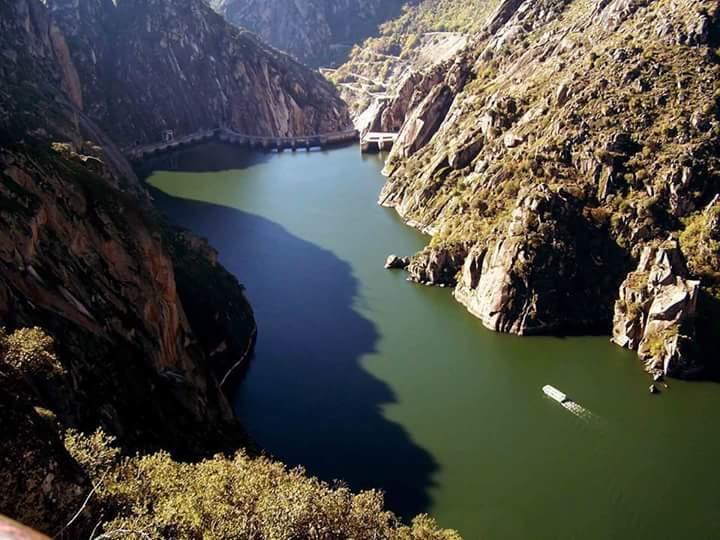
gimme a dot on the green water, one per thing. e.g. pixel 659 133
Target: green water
pixel 362 376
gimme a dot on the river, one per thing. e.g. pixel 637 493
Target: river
pixel 362 376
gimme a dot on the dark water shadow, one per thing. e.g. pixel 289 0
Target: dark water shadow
pixel 205 157
pixel 306 398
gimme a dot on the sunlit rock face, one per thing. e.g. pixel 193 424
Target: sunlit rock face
pixel 656 309
pixel 558 161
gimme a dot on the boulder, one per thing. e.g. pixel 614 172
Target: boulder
pixel 510 140
pixel 393 262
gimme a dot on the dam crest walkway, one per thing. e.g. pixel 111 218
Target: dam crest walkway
pixel 230 136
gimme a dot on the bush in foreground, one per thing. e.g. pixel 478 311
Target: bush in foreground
pixel 154 496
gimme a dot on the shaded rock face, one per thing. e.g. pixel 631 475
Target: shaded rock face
pixel 148 66
pixel 655 311
pixel 32 102
pixel 84 262
pixel 41 95
pixel 549 271
pixel 218 312
pixel 316 32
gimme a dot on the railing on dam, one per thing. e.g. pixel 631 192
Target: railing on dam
pixel 251 141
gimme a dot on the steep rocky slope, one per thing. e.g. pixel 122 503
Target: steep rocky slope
pixel 564 141
pixel 317 32
pixel 83 256
pixel 428 32
pixel 146 66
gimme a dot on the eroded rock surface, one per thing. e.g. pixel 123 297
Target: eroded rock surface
pixel 655 311
pixel 437 265
pixel 550 270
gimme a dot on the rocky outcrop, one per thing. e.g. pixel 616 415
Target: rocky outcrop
pixel 437 265
pixel 410 92
pixel 423 122
pixel 394 262
pixel 655 311
pixel 149 66
pixel 548 271
pixel 426 109
pixel 317 32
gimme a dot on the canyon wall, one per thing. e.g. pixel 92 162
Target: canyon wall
pixel 151 65
pixel 560 145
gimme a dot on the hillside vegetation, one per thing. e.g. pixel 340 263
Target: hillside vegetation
pixel 576 139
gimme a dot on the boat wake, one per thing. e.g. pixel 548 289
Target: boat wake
pixel 578 410
pixel 583 414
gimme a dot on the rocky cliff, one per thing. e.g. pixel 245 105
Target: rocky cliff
pixel 656 309
pixel 561 148
pixel 147 66
pixel 316 32
pixel 83 256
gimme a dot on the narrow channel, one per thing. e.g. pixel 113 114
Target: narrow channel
pixel 361 376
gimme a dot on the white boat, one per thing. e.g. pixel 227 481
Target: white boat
pixel 554 393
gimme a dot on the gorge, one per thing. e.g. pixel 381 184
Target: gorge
pixel 555 175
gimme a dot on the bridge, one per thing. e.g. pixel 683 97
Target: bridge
pixel 375 141
pixel 230 136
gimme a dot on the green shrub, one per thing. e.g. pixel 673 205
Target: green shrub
pixel 155 496
pixel 29 351
pixel 95 453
